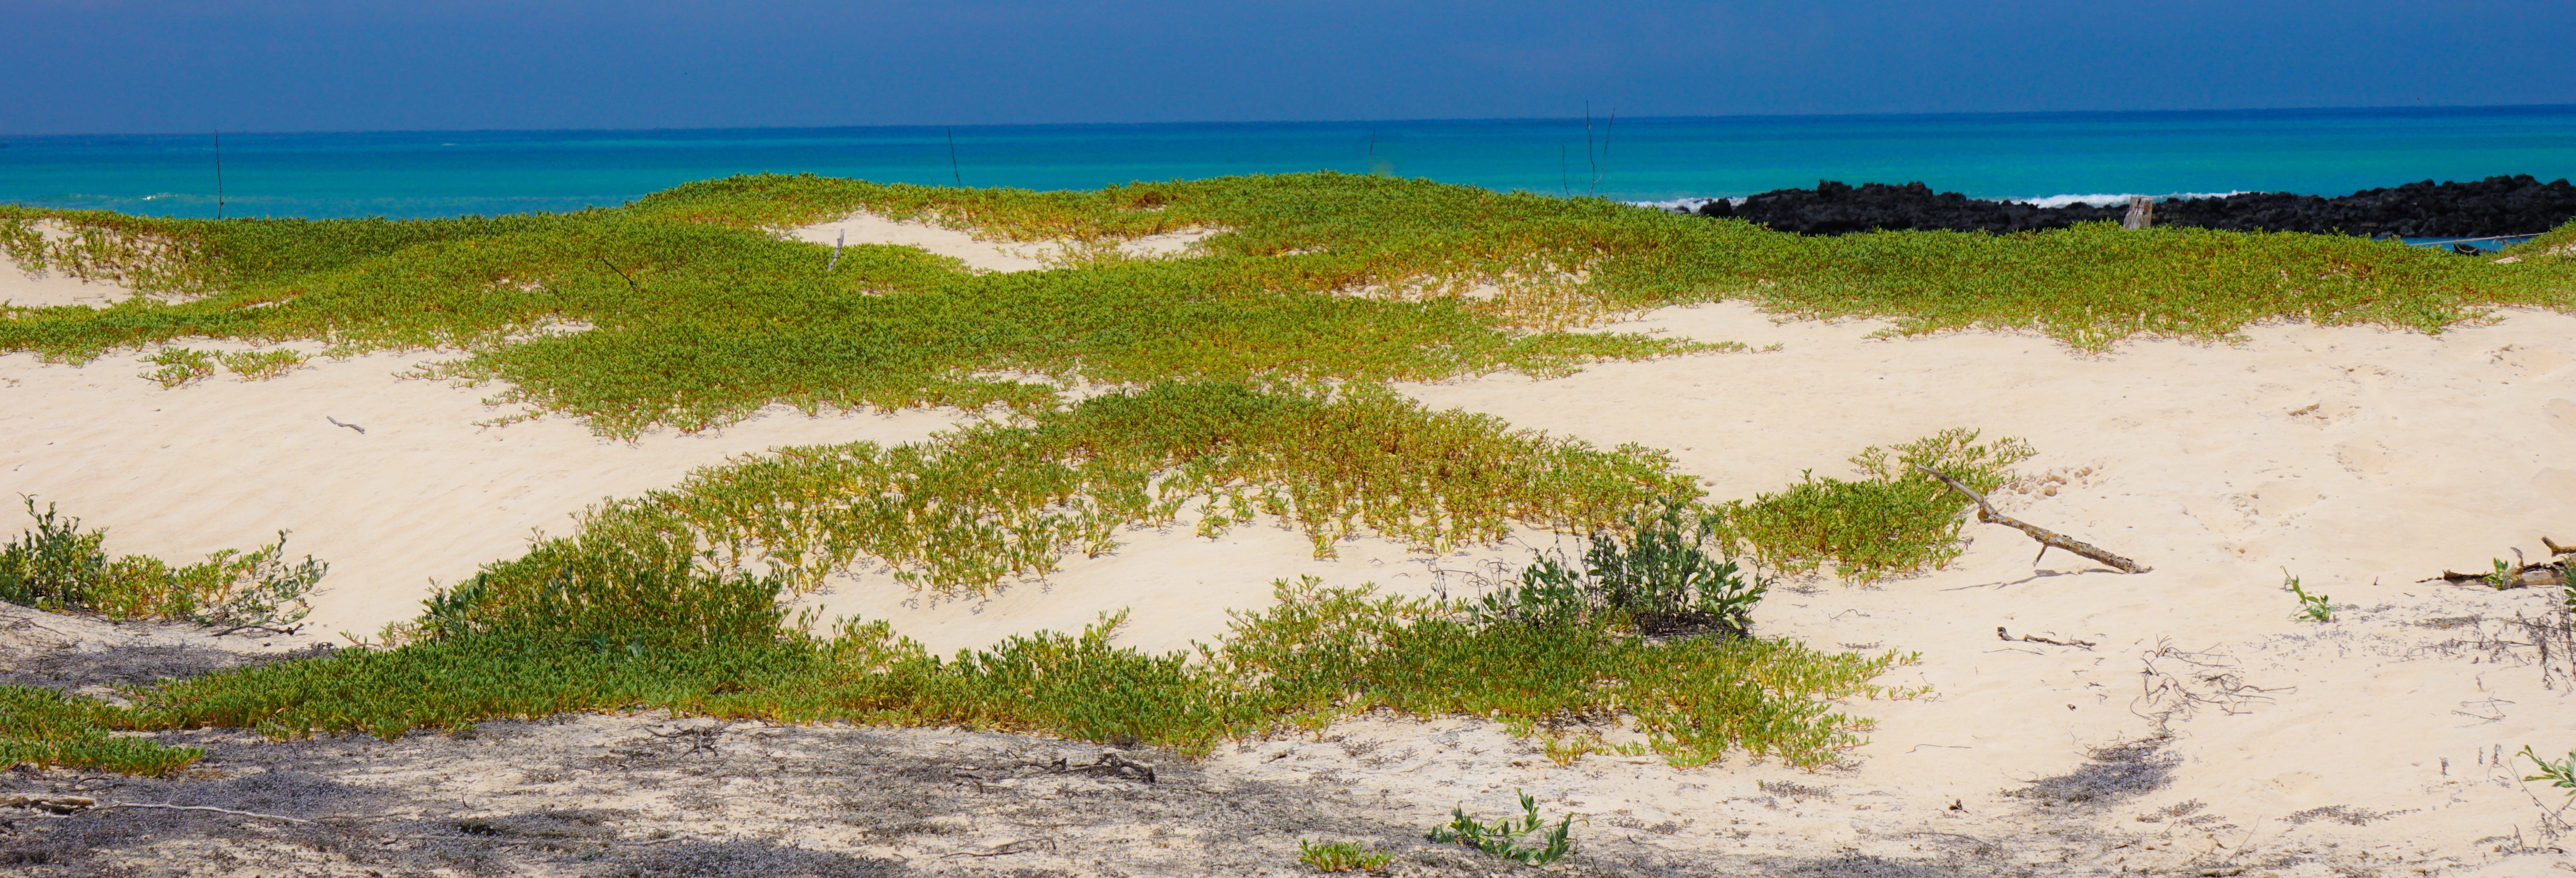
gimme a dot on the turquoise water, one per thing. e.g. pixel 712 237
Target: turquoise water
pixel 412 174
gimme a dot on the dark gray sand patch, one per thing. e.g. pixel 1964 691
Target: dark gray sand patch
pixel 2108 774
pixel 634 796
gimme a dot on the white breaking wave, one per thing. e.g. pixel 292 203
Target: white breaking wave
pixel 2094 200
pixel 1686 205
pixel 2113 200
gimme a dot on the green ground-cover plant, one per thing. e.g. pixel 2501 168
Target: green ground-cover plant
pixel 179 366
pixel 1503 838
pixel 693 314
pixel 1895 520
pixel 1001 499
pixel 636 633
pixel 261 365
pixel 44 728
pixel 1341 856
pixel 653 614
pixel 58 566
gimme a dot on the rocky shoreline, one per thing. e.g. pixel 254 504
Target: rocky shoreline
pixel 2495 206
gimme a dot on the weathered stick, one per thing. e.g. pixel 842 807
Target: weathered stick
pixel 2551 570
pixel 621 274
pixel 2032 638
pixel 205 808
pixel 2048 539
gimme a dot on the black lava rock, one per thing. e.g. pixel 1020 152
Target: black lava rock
pixel 2515 205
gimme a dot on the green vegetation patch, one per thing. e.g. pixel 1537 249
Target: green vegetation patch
pixel 1321 655
pixel 1894 520
pixel 996 500
pixel 686 310
pixel 654 611
pixel 44 728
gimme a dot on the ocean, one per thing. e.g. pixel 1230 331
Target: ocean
pixel 2027 156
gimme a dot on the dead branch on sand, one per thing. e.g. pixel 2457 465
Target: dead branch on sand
pixel 73 804
pixel 2033 638
pixel 2048 539
pixel 2544 573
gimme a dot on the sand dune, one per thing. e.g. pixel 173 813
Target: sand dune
pixel 422 494
pixel 47 289
pixel 2359 460
pixel 978 254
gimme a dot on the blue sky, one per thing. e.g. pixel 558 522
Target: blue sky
pixel 102 66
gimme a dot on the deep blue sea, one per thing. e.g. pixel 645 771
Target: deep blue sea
pixel 2022 156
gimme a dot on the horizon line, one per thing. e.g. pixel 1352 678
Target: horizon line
pixel 2436 108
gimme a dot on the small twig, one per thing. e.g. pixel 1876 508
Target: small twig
pixel 261 628
pixel 336 423
pixel 836 251
pixel 202 808
pixel 1008 848
pixel 621 273
pixel 2048 539
pixel 2032 638
pixel 1110 764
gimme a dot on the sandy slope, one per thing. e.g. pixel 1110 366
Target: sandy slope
pixel 46 289
pixel 982 255
pixel 2358 459
pixel 423 494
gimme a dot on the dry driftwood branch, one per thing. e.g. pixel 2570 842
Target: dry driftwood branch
pixel 2031 638
pixel 2048 539
pixel 1110 765
pixel 2543 573
pixel 205 808
pixel 69 804
pixel 262 629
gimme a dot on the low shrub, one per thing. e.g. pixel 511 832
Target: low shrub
pixel 56 566
pixel 1655 575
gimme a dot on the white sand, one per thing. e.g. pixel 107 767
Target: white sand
pixel 48 289
pixel 2360 460
pixel 423 494
pixel 978 254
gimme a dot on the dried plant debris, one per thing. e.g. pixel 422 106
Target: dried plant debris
pixel 2177 683
pixel 1796 791
pixel 2108 774
pixel 2340 814
pixel 2549 572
